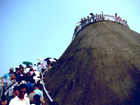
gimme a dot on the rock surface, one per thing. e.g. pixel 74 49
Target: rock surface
pixel 101 66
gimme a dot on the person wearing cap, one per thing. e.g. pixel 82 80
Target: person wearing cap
pixel 7 75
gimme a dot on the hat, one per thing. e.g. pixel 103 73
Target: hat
pixel 11 68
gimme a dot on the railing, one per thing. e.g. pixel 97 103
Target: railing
pixel 49 97
pixel 113 18
pixel 97 18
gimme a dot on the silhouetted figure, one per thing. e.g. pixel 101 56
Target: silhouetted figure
pixel 115 16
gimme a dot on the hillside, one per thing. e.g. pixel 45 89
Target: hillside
pixel 100 67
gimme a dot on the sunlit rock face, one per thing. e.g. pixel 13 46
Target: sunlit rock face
pixel 101 66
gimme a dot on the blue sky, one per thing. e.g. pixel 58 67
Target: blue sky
pixel 31 29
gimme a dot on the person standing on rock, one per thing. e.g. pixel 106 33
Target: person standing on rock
pixel 92 17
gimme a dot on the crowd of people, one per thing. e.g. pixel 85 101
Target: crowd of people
pixel 97 17
pixel 23 86
pixel 84 21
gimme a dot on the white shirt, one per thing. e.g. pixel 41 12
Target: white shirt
pixel 52 60
pixel 23 82
pixel 27 70
pixel 44 65
pixel 39 68
pixel 17 101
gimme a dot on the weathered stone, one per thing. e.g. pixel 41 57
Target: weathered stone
pixel 100 67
